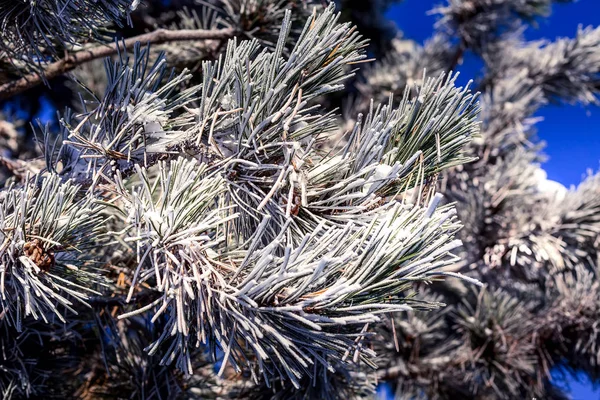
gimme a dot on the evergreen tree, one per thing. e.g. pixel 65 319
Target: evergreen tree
pixel 203 221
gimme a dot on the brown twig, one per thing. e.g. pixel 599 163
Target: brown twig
pixel 71 61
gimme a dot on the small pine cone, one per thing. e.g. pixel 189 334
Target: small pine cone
pixel 41 257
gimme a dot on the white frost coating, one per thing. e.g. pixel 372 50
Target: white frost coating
pixel 148 112
pixel 380 175
pixel 332 163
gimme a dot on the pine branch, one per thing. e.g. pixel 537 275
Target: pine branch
pixel 477 23
pixel 70 62
pixel 404 66
pixel 272 260
pixel 44 229
pixel 33 31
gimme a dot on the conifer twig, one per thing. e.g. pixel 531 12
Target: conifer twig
pixel 71 61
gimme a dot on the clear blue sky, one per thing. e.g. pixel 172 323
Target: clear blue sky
pixel 572 133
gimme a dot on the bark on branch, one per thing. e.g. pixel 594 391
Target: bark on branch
pixel 71 61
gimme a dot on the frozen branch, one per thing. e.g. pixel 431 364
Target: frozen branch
pixel 71 61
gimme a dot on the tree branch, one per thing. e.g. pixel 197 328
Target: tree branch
pixel 71 61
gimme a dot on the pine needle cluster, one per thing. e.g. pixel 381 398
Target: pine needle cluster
pixel 203 222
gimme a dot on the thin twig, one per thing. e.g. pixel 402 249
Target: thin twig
pixel 71 61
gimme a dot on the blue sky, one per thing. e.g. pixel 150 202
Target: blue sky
pixel 572 133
